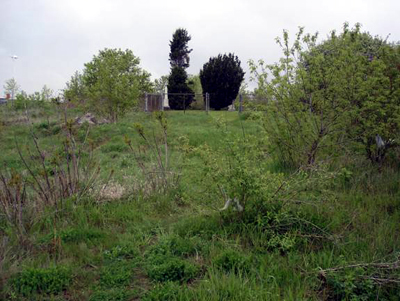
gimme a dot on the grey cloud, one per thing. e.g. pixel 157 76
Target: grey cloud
pixel 55 38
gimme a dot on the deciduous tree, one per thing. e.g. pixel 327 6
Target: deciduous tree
pixel 115 81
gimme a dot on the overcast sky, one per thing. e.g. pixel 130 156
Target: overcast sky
pixel 54 38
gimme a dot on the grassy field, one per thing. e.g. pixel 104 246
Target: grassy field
pixel 153 230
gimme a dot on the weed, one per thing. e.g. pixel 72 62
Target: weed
pixel 121 252
pixel 166 268
pixel 174 245
pixel 166 291
pixel 232 261
pixel 113 294
pixel 116 274
pixel 41 281
pixel 73 235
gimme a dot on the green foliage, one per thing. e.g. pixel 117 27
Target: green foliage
pixel 195 85
pixel 177 83
pixel 177 80
pixel 357 284
pixel 175 246
pixel 160 84
pixel 116 147
pixel 11 87
pixel 163 292
pixel 179 55
pixel 42 281
pixel 202 226
pixel 73 235
pixel 113 294
pixel 165 268
pixel 121 252
pixel 76 90
pixel 115 81
pixel 232 261
pixel 294 225
pixel 221 77
pixel 116 274
pixel 237 172
pixel 163 262
pixel 331 96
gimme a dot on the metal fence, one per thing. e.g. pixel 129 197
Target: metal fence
pixel 190 101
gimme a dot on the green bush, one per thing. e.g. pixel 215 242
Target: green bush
pixel 43 281
pixel 356 284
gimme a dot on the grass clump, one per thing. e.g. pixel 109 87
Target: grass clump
pixel 32 281
pixel 166 268
pixel 114 294
pixel 167 291
pixel 232 261
pixel 74 235
pixel 116 275
pixel 121 252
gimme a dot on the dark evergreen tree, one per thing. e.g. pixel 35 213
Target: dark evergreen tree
pixel 177 81
pixel 221 78
pixel 179 55
pixel 181 96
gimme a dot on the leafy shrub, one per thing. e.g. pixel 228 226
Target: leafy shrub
pixel 35 280
pixel 356 284
pixel 232 261
pixel 163 292
pixel 165 268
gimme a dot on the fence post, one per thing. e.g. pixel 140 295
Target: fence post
pixel 240 103
pixel 146 98
pixel 161 101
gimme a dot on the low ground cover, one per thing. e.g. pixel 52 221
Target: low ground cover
pixel 322 232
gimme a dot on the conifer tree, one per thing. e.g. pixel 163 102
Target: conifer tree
pixel 177 81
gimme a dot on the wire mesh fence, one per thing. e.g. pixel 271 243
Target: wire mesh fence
pixel 202 102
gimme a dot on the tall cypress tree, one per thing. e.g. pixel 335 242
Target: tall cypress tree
pixel 179 60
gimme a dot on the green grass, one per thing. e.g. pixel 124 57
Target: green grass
pixel 176 244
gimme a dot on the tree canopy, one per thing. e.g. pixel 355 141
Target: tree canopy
pixel 179 55
pixel 221 77
pixel 11 87
pixel 115 81
pixel 334 97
